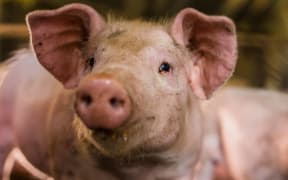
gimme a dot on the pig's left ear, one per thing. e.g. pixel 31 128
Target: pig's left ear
pixel 59 38
pixel 212 45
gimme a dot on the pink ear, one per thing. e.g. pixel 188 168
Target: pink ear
pixel 58 37
pixel 211 42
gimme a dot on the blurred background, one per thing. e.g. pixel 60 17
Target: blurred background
pixel 262 27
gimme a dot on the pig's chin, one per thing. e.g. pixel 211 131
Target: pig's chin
pixel 136 143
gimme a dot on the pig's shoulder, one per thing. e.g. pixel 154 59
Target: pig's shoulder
pixel 249 105
pixel 24 61
pixel 24 69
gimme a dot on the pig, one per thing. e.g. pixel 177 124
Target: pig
pixel 246 135
pixel 113 99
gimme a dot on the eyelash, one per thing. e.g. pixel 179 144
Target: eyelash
pixel 90 63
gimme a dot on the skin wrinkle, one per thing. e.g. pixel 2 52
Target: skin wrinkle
pixel 115 34
pixel 49 139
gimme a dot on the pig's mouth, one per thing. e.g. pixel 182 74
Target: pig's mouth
pixel 106 134
pixel 133 142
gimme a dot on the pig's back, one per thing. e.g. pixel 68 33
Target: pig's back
pixel 27 92
pixel 266 99
pixel 254 132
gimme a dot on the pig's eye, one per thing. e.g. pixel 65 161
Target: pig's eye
pixel 165 68
pixel 90 62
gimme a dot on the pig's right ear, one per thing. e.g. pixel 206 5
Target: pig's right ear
pixel 59 36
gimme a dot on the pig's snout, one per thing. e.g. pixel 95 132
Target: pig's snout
pixel 102 103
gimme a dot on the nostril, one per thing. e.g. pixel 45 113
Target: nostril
pixel 102 104
pixel 87 99
pixel 116 102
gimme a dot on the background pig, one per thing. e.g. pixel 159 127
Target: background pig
pixel 245 135
pixel 114 99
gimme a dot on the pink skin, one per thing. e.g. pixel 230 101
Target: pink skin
pixel 246 135
pixel 260 133
pixel 157 132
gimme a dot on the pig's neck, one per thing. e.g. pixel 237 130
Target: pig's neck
pixel 153 172
pixel 178 162
pixel 177 170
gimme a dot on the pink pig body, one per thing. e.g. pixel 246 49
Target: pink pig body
pixel 119 99
pixel 247 133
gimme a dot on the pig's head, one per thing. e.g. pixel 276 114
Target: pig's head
pixel 137 84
